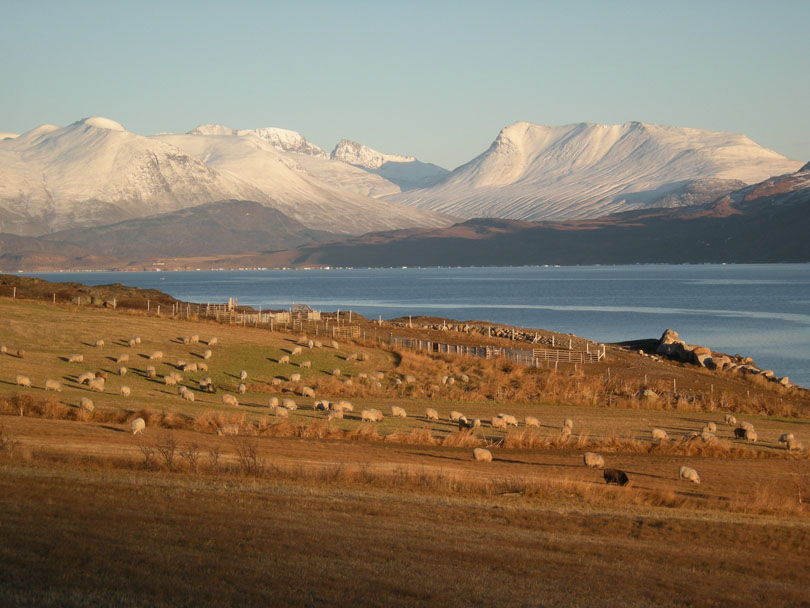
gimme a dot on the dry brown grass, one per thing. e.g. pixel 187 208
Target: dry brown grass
pixel 463 439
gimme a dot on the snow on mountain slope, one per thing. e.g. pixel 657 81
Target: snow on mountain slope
pixel 4 135
pixel 94 172
pixel 316 191
pixel 534 172
pixel 404 171
pixel 288 141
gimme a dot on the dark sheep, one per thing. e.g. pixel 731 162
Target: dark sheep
pixel 616 476
pixel 739 433
pixel 209 388
pixel 101 375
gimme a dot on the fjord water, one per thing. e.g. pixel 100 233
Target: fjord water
pixel 762 311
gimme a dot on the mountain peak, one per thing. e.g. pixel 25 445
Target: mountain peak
pixel 357 154
pixel 286 140
pixel 212 129
pixel 99 122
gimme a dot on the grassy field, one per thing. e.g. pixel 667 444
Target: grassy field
pixel 305 511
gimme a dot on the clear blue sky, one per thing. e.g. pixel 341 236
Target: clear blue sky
pixel 437 80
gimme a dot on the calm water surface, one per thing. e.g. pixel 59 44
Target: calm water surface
pixel 758 310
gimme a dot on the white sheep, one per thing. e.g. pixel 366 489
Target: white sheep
pixel 335 345
pixel 295 377
pixel 289 404
pixel 335 415
pixel 131 343
pixel 532 421
pixel 181 363
pixel 370 415
pixel 169 380
pixel 190 367
pixel 3 349
pixel 688 474
pixel 186 340
pixel 310 344
pixel 431 414
pixel 242 389
pixel 509 419
pixel 138 425
pixel 308 392
pixel 86 404
pixel 243 375
pixel 75 358
pixel 122 371
pixel 455 416
pixel 228 429
pixel 187 394
pixel 659 435
pixel 482 455
pixel 52 385
pixel 122 359
pixel 281 412
pixel 751 436
pixel 351 357
pixel 202 367
pixel 794 446
pixel 85 377
pixel 272 402
pixel 593 460
pixel 230 400
pixel 137 339
pixel 321 406
pixel 305 364
pixel 284 360
pixel 99 343
pixel 318 344
pixel 96 384
pixel 398 412
pixel 410 379
pixel 207 354
pixel 195 339
pixel 158 354
pixel 712 427
pixel 151 372
pixel 569 424
pixel 498 423
pixel 343 406
pixel 746 426
pixel 124 390
pixel 212 341
pixel 336 372
pixel 785 437
pixel 296 351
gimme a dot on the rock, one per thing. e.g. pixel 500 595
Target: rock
pixel 668 337
pixel 767 373
pixel 701 350
pixel 784 381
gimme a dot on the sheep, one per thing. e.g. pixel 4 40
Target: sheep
pixel 151 372
pixel 281 412
pixel 351 357
pixel 208 387
pixel 3 349
pixel 482 455
pixel 343 406
pixel 593 460
pixel 711 427
pixel 362 357
pixel 398 412
pixel 124 391
pixel 336 415
pixel 284 360
pixel 243 375
pixel 99 343
pixel 310 344
pixel 455 415
pixel 275 382
pixel 465 378
pixel 181 363
pixel 371 415
pixel 186 340
pixel 101 374
pixel 202 367
pixel 465 425
pixel 137 339
pixel 569 424
pixel 195 339
pixel 706 436
pixel 318 344
pixel 532 421
pixel 86 404
pixel 191 367
pixel 207 354
pixel 451 381
pixel 75 358
pixel 509 419
pixel 289 404
pixel 96 384
pixel 336 372
pixel 308 392
pixel 122 371
pixel 746 425
pixel 295 377
pixel 305 364
pixel 131 343
pixel 242 389
pixel 158 354
pixel 321 406
pixel 498 423
pixel 212 341
pixel 53 385
pixel 690 436
pixel 751 436
pixel 302 340
pixel 230 400
pixel 181 389
pixel 379 376
pixel 228 429
pixel 296 351
pixel 785 437
pixel 688 474
pixel 659 435
pixel 334 344
pixel 122 359
pixel 347 382
pixel 169 380
pixel 138 425
pixel 739 433
pixel 272 402
pixel 409 379
pixel 794 446
pixel 431 414
pixel 476 422
pixel 565 433
pixel 85 377
pixel 615 476
pixel 706 429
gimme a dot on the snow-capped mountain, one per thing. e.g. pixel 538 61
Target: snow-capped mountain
pixel 405 171
pixel 94 172
pixel 534 172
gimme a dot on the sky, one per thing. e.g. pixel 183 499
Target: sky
pixel 436 80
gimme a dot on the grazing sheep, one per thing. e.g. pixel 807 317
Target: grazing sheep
pixel 706 429
pixel 138 425
pixel 785 437
pixel 181 363
pixel 124 390
pixel 465 425
pixel 321 406
pixel 352 357
pixel 101 374
pixel 615 476
pixel 284 360
pixel 509 419
pixel 202 367
pixel 706 436
pixel 532 421
pixel 3 349
pixel 186 340
pixel 289 404
pixel 334 344
pixel 158 354
pixel 569 424
pixel 243 375
pixel 498 423
pixel 659 435
pixel 729 420
pixel 343 406
pixel 305 364
pixel 228 429
pixel 131 343
pixel 151 372
pixel 296 351
pixel 335 415
pixel 310 344
pixel 739 433
pixel 281 412
pixel 336 372
pixel 207 354
pixel 195 339
pixel 137 339
pixel 122 371
pixel 688 474
pixel 308 392
pixel 212 341
pixel 593 460
pixel 272 402
pixel 295 377
pixel 371 415
pixel 96 384
pixel 751 436
pixel 712 427
pixel 75 358
pixel 302 340
pixel 794 446
pixel 53 385
pixel 169 380
pixel 241 389
pixel 230 400
pixel 482 455
pixel 431 414
pixel 398 412
pixel 318 344
pixel 99 343
pixel 85 377
pixel 122 359
pixel 191 367
pixel 746 425
pixel 86 404
pixel 455 415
